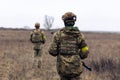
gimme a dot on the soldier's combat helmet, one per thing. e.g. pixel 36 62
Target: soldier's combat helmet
pixel 69 18
pixel 37 25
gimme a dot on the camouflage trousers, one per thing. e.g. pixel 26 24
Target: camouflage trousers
pixel 74 78
pixel 37 58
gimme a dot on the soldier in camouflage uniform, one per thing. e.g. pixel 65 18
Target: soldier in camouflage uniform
pixel 70 48
pixel 37 37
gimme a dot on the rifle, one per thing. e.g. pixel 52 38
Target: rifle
pixel 83 63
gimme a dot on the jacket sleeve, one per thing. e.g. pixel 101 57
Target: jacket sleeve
pixel 31 33
pixel 53 46
pixel 43 38
pixel 83 47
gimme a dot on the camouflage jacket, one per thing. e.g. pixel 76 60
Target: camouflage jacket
pixel 81 49
pixel 37 45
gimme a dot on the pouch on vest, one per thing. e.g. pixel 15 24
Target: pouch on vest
pixel 36 36
pixel 69 61
pixel 69 66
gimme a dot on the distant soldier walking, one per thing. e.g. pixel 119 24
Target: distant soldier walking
pixel 37 37
pixel 70 48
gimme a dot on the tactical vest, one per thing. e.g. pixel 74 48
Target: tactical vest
pixel 68 60
pixel 37 36
pixel 68 42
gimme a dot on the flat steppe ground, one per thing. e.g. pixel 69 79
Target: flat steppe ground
pixel 16 57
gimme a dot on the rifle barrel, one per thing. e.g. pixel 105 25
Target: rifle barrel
pixel 86 66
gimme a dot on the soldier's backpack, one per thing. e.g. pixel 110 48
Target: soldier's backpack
pixel 69 62
pixel 37 36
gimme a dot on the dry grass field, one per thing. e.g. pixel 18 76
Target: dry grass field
pixel 16 57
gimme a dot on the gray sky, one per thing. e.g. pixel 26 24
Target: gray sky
pixel 92 15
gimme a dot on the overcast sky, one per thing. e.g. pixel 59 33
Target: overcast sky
pixel 92 15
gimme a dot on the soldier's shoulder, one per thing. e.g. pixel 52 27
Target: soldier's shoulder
pixel 31 32
pixel 38 31
pixel 76 28
pixel 42 31
pixel 57 33
pixel 81 35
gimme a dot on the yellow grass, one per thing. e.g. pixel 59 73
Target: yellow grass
pixel 16 57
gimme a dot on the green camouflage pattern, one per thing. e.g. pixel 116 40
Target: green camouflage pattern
pixel 37 36
pixel 69 65
pixel 37 58
pixel 37 46
pixel 37 42
pixel 68 57
pixel 68 41
pixel 67 37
